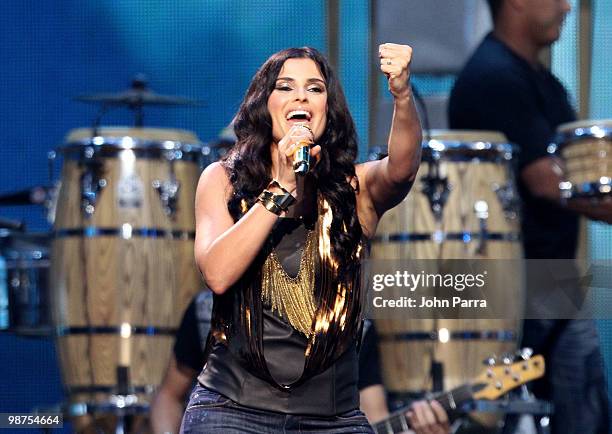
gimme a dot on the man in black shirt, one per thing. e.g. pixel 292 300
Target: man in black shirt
pixel 504 87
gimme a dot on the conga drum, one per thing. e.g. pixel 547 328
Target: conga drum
pixel 24 283
pixel 122 267
pixel 586 149
pixel 463 205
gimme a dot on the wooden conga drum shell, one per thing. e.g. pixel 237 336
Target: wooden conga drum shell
pixel 588 160
pixel 475 169
pixel 123 274
pixel 108 212
pixel 586 150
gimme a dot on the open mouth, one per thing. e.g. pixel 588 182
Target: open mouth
pixel 299 116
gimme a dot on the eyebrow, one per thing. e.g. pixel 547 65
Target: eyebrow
pixel 310 80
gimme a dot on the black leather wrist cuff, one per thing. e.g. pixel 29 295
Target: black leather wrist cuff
pixel 276 203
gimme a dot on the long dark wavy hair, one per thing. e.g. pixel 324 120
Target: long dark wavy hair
pixel 249 163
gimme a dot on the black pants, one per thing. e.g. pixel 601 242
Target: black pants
pixel 574 382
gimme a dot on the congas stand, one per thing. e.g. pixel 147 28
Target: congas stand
pixel 436 188
pixel 122 414
pixel 514 408
pixel 511 409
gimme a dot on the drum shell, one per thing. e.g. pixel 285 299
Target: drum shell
pixel 123 275
pixel 25 283
pixel 586 150
pixel 411 231
pixel 588 160
pixel 109 213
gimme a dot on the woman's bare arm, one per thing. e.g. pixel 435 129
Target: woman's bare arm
pixel 224 249
pixel 386 182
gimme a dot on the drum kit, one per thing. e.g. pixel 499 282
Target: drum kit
pixel 464 205
pixel 113 277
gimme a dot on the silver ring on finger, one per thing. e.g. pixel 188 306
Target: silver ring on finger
pixel 389 62
pixel 307 127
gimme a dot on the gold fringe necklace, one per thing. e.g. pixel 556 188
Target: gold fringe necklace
pixel 292 297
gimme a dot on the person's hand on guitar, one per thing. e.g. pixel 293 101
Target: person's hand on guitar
pixel 428 418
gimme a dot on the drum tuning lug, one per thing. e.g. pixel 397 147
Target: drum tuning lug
pixel 567 189
pixel 51 157
pixel 374 153
pixel 481 209
pixel 506 195
pixel 173 154
pixel 168 194
pixel 437 189
pixel 91 186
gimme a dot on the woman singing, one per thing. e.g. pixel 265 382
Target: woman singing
pixel 282 252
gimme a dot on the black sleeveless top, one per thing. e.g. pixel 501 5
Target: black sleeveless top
pixel 332 392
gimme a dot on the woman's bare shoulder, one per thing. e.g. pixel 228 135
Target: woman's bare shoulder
pixel 215 175
pixel 214 182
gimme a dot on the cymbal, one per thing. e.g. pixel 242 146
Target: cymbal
pixel 137 98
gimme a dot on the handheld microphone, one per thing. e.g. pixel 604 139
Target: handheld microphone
pixel 301 158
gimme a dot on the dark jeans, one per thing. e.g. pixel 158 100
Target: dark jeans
pixel 211 412
pixel 575 380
